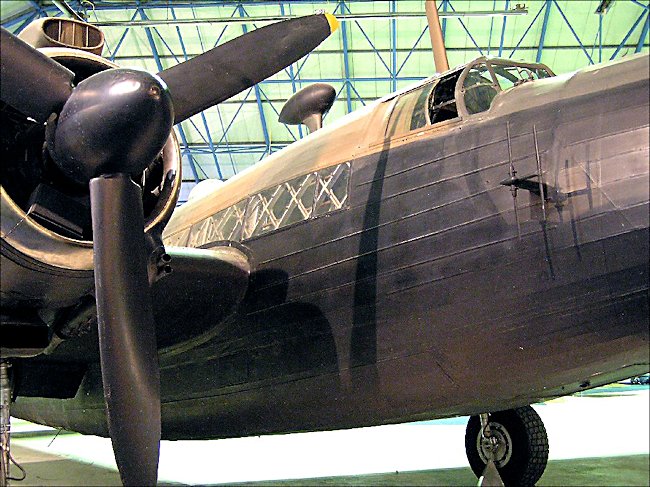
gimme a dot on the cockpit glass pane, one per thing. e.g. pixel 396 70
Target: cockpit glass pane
pixel 541 73
pixel 409 112
pixel 478 75
pixel 479 88
pixel 431 103
pixel 509 76
pixel 442 105
pixel 419 117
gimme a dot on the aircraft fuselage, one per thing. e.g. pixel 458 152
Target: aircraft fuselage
pixel 481 263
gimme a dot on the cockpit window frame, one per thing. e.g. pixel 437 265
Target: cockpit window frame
pixel 461 90
pixel 490 63
pixel 531 67
pixel 459 93
pixel 432 83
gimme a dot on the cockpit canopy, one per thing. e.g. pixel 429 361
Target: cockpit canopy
pixel 464 91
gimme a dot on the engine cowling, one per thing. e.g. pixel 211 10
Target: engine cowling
pixel 46 232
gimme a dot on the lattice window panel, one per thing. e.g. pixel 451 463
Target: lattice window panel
pixel 224 225
pixel 283 205
pixel 332 189
pixel 178 239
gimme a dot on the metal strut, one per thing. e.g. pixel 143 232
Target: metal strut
pixel 5 401
pixel 542 194
pixel 513 179
pixel 490 475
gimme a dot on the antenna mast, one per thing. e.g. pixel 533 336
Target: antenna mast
pixel 435 31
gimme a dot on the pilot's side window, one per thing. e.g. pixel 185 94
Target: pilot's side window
pixel 409 112
pixel 431 103
pixel 442 105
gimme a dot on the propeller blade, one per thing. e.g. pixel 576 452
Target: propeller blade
pixel 126 117
pixel 127 337
pixel 32 83
pixel 230 68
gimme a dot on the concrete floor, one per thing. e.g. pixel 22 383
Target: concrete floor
pixel 599 438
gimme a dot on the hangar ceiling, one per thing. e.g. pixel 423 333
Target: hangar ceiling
pixel 381 46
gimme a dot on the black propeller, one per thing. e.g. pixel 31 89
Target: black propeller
pixel 31 82
pixel 104 131
pixel 126 117
pixel 243 62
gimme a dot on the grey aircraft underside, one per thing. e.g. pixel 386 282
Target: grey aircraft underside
pixel 471 245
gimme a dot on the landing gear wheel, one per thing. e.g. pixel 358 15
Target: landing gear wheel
pixel 522 445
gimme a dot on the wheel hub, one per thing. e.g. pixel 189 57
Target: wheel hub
pixel 498 446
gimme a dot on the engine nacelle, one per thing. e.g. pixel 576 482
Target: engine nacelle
pixel 46 231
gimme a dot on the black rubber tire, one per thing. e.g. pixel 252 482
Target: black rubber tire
pixel 529 449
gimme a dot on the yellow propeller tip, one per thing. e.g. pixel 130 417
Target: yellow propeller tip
pixel 334 24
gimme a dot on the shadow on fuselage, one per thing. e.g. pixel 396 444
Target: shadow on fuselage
pixel 283 338
pixel 363 343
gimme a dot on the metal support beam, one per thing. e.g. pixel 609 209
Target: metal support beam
pixel 385 52
pixel 542 36
pixel 591 61
pixel 600 38
pixel 198 149
pixel 187 152
pixel 260 107
pixel 393 46
pixel 494 6
pixel 412 50
pixel 340 80
pixel 67 10
pixel 210 142
pixel 343 18
pixel 644 33
pixel 346 61
pixel 374 49
pixel 227 143
pixel 271 105
pixel 122 37
pixel 469 34
pixel 18 18
pixel 203 118
pixel 225 27
pixel 503 31
pixel 232 121
pixel 208 135
pixel 40 10
pixel 25 23
pixel 224 129
pixel 521 39
pixel 629 33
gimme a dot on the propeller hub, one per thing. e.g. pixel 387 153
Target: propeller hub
pixel 116 121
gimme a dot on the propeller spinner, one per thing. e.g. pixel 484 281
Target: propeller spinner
pixel 103 132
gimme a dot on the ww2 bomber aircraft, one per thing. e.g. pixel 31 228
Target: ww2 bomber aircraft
pixel 469 246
